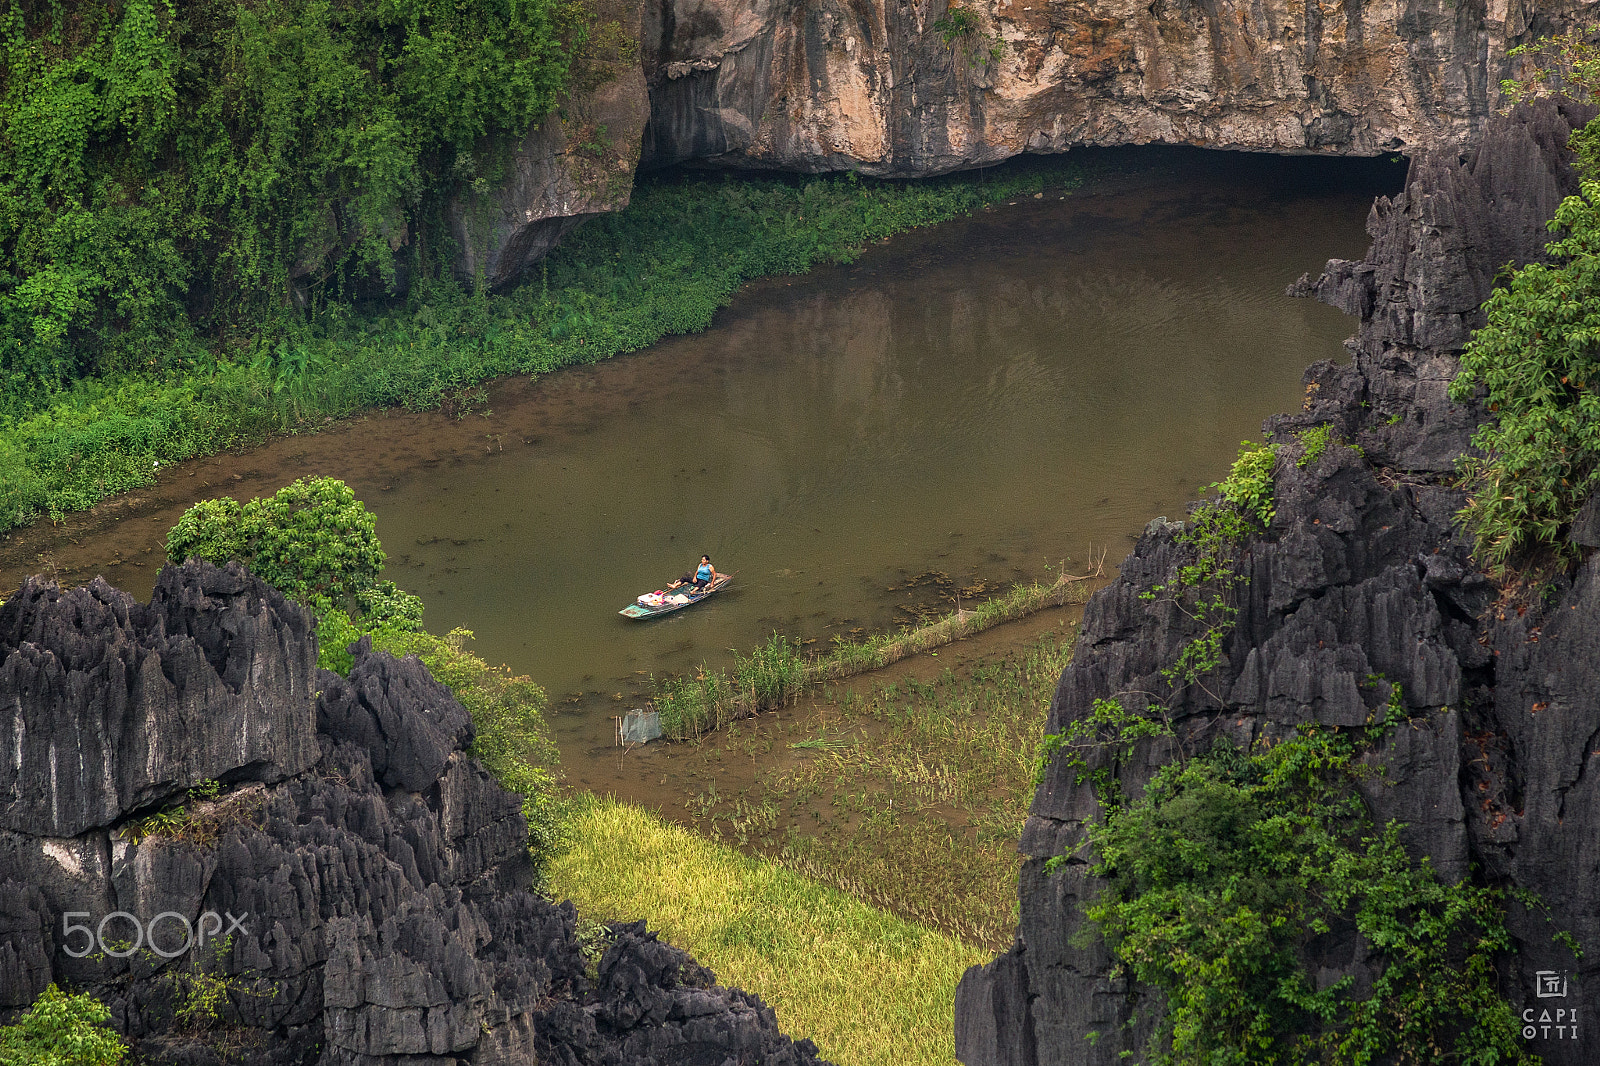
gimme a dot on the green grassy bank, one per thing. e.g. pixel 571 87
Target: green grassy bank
pixel 871 989
pixel 775 674
pixel 620 283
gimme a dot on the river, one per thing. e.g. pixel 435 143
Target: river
pixel 964 406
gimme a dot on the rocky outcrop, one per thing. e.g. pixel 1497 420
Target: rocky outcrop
pixel 910 90
pixel 897 89
pixel 1361 575
pixel 354 890
pixel 577 163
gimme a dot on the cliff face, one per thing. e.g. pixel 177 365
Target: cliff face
pixel 577 163
pixel 1361 572
pixel 903 89
pixel 356 893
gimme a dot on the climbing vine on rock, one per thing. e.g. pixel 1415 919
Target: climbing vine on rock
pixel 1232 870
pixel 1538 361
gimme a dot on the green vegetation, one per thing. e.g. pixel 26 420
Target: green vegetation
pixel 961 29
pixel 311 538
pixel 1248 485
pixel 869 988
pixel 774 674
pixel 62 1030
pixel 317 544
pixel 1315 443
pixel 1537 360
pixel 909 795
pixel 1229 868
pixel 620 283
pixel 1204 589
pixel 201 820
pixel 175 173
pixel 1227 871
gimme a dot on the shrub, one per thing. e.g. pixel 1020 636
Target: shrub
pixel 1248 485
pixel 1537 360
pixel 1223 875
pixel 62 1030
pixel 311 538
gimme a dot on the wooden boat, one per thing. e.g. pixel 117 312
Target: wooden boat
pixel 680 597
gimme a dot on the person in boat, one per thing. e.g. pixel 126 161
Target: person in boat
pixel 705 574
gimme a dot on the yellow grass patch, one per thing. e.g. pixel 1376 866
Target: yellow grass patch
pixel 870 988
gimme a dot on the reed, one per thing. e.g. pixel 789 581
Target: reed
pixel 909 795
pixel 777 672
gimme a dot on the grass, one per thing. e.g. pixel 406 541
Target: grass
pixel 623 281
pixel 774 674
pixel 911 797
pixel 870 988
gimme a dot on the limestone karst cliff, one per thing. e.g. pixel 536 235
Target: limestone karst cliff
pixel 897 89
pixel 369 880
pixel 900 89
pixel 1361 573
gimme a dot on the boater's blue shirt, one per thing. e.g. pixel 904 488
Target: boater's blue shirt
pixel 704 573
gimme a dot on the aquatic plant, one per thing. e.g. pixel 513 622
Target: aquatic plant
pixel 775 673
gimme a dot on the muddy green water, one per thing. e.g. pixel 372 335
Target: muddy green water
pixel 986 400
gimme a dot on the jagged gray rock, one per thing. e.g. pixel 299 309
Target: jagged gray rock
pixel 369 879
pixel 116 705
pixel 1363 581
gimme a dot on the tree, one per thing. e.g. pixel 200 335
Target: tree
pixel 311 538
pixel 62 1030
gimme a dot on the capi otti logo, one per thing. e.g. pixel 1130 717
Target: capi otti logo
pixel 1552 1020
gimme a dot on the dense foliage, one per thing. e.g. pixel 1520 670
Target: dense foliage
pixel 312 539
pixel 62 1030
pixel 1230 871
pixel 167 169
pixel 1537 359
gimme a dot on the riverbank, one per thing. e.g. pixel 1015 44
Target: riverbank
pixel 663 266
